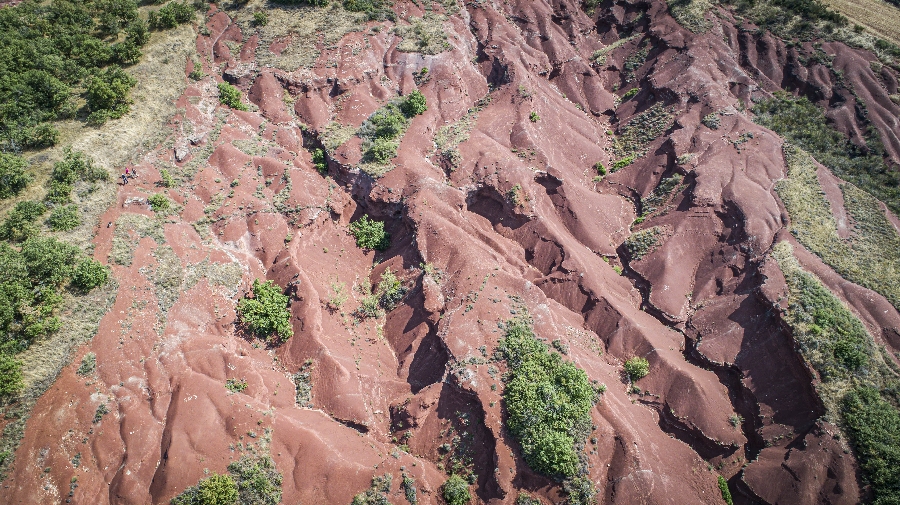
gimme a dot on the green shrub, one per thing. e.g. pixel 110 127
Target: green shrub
pixel 20 223
pixel 260 18
pixel 213 490
pixel 370 234
pixel 637 368
pixel 622 163
pixel 548 402
pixel 377 10
pixel 408 485
pixel 533 117
pixel 48 260
pixel 172 15
pixel 712 121
pixel 266 314
pixel 723 488
pixel 13 175
pixel 630 93
pixel 64 218
pixel 318 159
pixel 640 131
pixel 236 385
pixel 90 274
pixel 88 364
pixel 456 491
pixel 11 382
pixel 874 428
pixel 258 481
pixel 642 243
pixel 165 179
pixel 230 96
pixel 600 168
pixel 159 202
pixel 390 290
pixel 414 104
pixel 381 151
pixel 107 94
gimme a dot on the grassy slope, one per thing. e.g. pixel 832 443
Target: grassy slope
pixel 878 16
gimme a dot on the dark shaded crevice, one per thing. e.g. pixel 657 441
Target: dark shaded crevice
pixel 362 428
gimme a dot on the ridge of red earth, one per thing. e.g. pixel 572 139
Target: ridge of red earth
pixel 698 306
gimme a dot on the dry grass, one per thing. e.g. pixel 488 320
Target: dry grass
pixel 304 24
pixel 334 135
pixel 691 14
pixel 870 257
pixel 424 35
pixel 878 16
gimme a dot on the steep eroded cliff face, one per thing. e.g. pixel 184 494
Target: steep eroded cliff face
pixel 495 206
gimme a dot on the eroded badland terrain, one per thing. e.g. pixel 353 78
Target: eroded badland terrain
pixel 706 186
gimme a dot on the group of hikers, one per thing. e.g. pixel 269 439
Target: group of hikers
pixel 130 173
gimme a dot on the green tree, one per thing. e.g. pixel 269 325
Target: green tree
pixel 266 314
pixel 637 368
pixel 13 175
pixel 19 224
pixel 48 260
pixel 107 94
pixel 456 491
pixel 370 234
pixel 64 218
pixel 230 96
pixel 90 274
pixel 414 104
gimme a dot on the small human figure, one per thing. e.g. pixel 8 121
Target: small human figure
pixel 127 172
pixel 133 173
pixel 124 179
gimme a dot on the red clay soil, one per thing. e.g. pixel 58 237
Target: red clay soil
pixel 519 220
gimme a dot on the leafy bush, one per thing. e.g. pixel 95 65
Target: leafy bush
pixel 260 18
pixel 88 364
pixel 107 94
pixel 630 93
pixel 377 10
pixel 548 401
pixel 230 96
pixel 172 15
pixel 258 481
pixel 600 168
pixel 48 260
pixel 533 117
pixel 90 274
pixel 266 314
pixel 166 179
pixel 712 121
pixel 236 385
pixel 10 376
pixel 213 490
pixel 874 428
pixel 640 131
pixel 370 234
pixel 408 484
pixel 64 218
pixel 723 488
pixel 414 104
pixel 637 368
pixel 382 131
pixel 456 491
pixel 13 177
pixel 19 224
pixel 318 159
pixel 642 243
pixel 622 163
pixel 159 202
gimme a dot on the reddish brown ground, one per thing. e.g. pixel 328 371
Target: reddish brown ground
pixel 699 306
